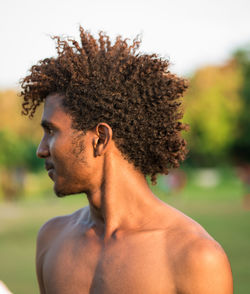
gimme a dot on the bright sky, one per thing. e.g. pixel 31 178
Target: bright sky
pixel 191 32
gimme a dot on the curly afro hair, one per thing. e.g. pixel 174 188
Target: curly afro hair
pixel 132 92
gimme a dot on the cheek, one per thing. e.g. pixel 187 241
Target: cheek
pixel 72 157
pixel 81 150
pixel 59 151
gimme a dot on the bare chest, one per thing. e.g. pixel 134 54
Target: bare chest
pixel 126 266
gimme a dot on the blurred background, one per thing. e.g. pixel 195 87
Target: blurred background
pixel 206 41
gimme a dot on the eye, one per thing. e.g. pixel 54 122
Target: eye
pixel 49 130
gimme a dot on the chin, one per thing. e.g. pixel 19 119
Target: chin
pixel 62 192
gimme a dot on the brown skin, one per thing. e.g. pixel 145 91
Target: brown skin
pixel 126 240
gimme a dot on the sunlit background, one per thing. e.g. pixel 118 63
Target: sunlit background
pixel 206 41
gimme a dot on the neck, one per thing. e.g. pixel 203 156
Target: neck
pixel 123 200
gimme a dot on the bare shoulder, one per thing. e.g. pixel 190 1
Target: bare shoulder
pixel 204 268
pixel 51 231
pixel 56 226
pixel 200 265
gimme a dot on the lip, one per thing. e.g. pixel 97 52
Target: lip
pixel 48 166
pixel 50 173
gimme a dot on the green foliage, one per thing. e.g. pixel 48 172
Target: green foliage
pixel 17 152
pixel 241 147
pixel 19 136
pixel 212 107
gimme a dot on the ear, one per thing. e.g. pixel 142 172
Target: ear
pixel 102 138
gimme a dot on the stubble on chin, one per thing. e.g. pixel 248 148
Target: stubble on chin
pixel 59 193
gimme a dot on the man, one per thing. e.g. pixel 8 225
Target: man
pixel 111 117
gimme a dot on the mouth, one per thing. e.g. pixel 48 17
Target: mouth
pixel 50 169
pixel 48 165
pixel 50 173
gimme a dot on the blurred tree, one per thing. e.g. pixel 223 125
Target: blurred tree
pixel 11 118
pixel 17 151
pixel 18 140
pixel 213 104
pixel 17 155
pixel 241 146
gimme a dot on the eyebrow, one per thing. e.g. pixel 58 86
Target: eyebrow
pixel 46 124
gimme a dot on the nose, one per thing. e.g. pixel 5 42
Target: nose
pixel 43 149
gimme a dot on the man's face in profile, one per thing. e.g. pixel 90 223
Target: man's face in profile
pixel 66 151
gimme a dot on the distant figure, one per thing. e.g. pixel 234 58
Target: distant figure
pixel 4 289
pixel 111 117
pixel 244 175
pixel 176 181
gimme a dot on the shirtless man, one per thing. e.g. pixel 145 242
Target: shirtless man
pixel 111 117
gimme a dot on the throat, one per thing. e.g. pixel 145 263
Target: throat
pixel 122 201
pixel 116 211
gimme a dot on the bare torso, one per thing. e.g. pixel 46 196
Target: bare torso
pixel 72 257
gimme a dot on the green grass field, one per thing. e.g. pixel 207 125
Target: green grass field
pixel 218 209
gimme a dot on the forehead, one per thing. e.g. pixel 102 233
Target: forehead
pixel 54 112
